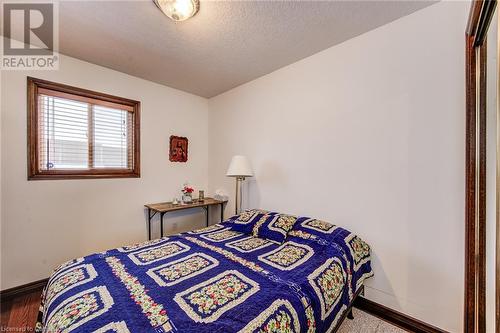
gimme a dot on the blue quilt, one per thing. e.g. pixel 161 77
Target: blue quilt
pixel 214 279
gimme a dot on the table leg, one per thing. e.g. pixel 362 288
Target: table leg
pixel 222 212
pixel 161 224
pixel 206 215
pixel 149 223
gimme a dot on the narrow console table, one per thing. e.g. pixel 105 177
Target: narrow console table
pixel 165 207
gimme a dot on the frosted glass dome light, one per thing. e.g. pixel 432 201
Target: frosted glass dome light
pixel 178 10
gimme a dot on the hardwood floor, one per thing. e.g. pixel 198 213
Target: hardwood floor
pixel 20 313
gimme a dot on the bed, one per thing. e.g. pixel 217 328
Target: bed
pixel 258 271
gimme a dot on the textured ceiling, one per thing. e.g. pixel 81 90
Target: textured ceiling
pixel 226 44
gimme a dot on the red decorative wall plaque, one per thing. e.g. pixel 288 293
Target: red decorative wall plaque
pixel 178 149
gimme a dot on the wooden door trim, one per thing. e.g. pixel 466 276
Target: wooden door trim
pixel 480 16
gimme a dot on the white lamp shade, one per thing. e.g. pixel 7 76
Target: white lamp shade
pixel 239 167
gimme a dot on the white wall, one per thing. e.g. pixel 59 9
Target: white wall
pixel 368 134
pixel 47 222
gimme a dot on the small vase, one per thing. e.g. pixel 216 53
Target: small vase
pixel 187 198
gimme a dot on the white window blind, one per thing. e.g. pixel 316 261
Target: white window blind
pixel 81 135
pixel 110 138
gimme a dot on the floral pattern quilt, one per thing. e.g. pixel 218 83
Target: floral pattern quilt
pixel 210 280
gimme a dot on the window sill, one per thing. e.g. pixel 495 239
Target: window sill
pixel 79 174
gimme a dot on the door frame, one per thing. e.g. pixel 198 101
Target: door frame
pixel 480 15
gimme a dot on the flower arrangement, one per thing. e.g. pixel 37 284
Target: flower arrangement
pixel 187 193
pixel 187 189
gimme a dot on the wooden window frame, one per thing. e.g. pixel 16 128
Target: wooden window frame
pixel 34 86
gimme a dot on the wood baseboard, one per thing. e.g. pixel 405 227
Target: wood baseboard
pixel 23 289
pixel 395 317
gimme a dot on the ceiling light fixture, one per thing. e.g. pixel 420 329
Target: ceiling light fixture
pixel 178 10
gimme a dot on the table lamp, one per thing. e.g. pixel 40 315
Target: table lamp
pixel 239 168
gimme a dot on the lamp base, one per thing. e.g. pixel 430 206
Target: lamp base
pixel 239 179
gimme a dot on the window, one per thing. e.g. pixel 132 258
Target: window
pixel 76 133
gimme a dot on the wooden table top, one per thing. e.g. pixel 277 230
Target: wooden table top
pixel 163 207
